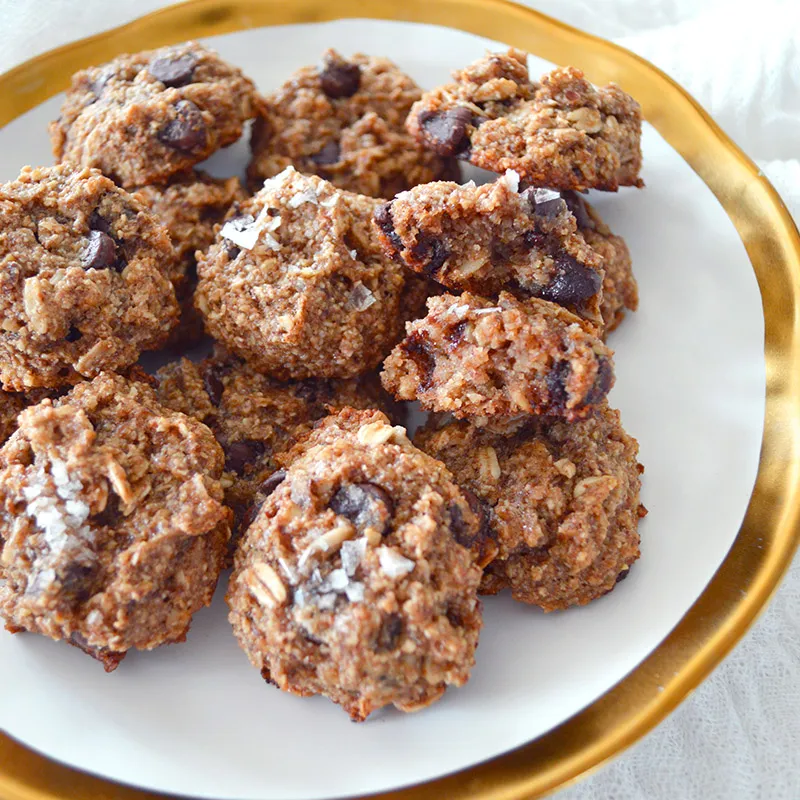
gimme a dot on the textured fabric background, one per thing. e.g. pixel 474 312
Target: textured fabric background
pixel 738 736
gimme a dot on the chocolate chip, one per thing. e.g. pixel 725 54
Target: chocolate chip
pixel 573 283
pixel 232 250
pixel 73 334
pixel 239 455
pixel 454 617
pixel 383 219
pixel 577 206
pixel 173 70
pixel 419 352
pixel 100 251
pixel 432 253
pixel 622 575
pixel 366 505
pixel 212 383
pixel 110 659
pixel 187 131
pixel 544 204
pixel 556 382
pixel 462 533
pixel 273 212
pixel 328 155
pixel 79 581
pixel 602 382
pixel 456 333
pixel 339 78
pixel 98 223
pixel 109 517
pixel 272 483
pixel 445 132
pixel 390 632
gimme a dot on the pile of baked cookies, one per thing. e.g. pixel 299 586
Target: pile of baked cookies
pixel 358 275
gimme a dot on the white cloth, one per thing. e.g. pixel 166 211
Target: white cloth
pixel 738 736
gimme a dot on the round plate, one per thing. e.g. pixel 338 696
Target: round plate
pixel 691 387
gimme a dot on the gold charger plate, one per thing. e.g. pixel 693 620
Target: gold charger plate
pixel 770 533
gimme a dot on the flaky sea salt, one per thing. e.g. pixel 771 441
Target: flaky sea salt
pixel 355 592
pixel 307 196
pixel 544 195
pixel 351 553
pixel 491 310
pixel 361 298
pixel 393 564
pixel 245 231
pixel 511 179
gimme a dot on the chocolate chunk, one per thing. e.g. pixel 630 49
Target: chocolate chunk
pixel 110 659
pixel 461 531
pixel 173 70
pixel 238 455
pixel 544 203
pixel 577 206
pixel 390 632
pixel 556 382
pixel 79 581
pixel 73 335
pixel 454 617
pixel 445 132
pixel 328 155
pixel 100 251
pixel 232 250
pixel 366 505
pixel 431 253
pixel 602 382
pixel 187 131
pixel 339 78
pixel 272 483
pixel 573 283
pixel 419 352
pixel 212 383
pixel 383 219
pixel 109 517
pixel 456 333
pixel 622 575
pixel 98 223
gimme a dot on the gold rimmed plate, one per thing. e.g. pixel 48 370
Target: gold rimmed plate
pixel 705 381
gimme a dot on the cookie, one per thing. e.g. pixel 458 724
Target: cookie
pixel 620 290
pixel 488 238
pixel 189 206
pixel 112 527
pixel 142 118
pixel 476 357
pixel 85 278
pixel 255 418
pixel 299 286
pixel 561 132
pixel 344 122
pixel 562 500
pixel 352 583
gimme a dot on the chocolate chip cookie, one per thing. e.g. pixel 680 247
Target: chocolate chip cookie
pixel 476 357
pixel 620 290
pixel 352 582
pixel 85 278
pixel 493 237
pixel 255 418
pixel 562 501
pixel 561 132
pixel 344 121
pixel 112 527
pixel 189 206
pixel 299 286
pixel 142 118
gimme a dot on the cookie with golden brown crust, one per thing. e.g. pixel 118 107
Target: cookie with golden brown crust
pixel 144 117
pixel 562 500
pixel 85 278
pixel 352 582
pixel 560 132
pixel 344 122
pixel 112 527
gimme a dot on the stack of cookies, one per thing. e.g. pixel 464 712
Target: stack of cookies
pixel 359 276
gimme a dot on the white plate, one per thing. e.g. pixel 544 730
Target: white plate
pixel 196 719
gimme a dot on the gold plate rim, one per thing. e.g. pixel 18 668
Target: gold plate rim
pixel 770 532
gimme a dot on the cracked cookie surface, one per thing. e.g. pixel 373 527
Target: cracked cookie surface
pixel 352 582
pixel 344 121
pixel 560 132
pixel 144 117
pixel 112 527
pixel 85 278
pixel 562 501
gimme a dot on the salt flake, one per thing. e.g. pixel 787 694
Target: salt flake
pixel 361 298
pixel 511 179
pixel 393 564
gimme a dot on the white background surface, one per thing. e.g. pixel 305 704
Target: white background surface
pixel 739 736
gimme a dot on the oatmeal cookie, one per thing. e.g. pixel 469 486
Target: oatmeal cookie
pixel 189 206
pixel 352 582
pixel 476 357
pixel 344 121
pixel 112 527
pixel 85 278
pixel 255 417
pixel 561 132
pixel 562 500
pixel 620 290
pixel 144 117
pixel 299 286
pixel 493 237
